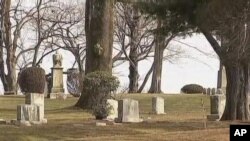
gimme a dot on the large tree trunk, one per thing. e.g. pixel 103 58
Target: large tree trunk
pixel 134 26
pixel 99 40
pixel 237 69
pixel 157 71
pixel 158 60
pixel 133 72
pixel 99 35
pixel 9 80
pixel 2 66
pixel 237 105
pixel 161 42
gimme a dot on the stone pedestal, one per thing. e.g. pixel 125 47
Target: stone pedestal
pixel 217 103
pixel 58 96
pixel 158 105
pixel 128 111
pixel 57 90
pixel 27 112
pixel 32 111
pixel 113 112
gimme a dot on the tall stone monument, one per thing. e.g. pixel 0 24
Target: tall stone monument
pixel 222 79
pixel 57 90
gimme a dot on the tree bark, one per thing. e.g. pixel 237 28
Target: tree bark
pixel 161 42
pixel 158 60
pixel 146 78
pixel 99 35
pixel 237 105
pixel 133 72
pixel 2 66
pixel 133 54
pixel 9 80
pixel 99 40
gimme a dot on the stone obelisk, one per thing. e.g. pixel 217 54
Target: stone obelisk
pixel 57 90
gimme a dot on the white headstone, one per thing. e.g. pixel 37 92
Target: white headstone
pixel 128 111
pixel 27 112
pixel 158 105
pixel 36 99
pixel 113 105
pixel 32 111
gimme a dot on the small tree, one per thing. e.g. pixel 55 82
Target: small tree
pixel 97 89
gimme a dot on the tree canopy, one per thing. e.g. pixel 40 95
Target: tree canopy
pixel 224 23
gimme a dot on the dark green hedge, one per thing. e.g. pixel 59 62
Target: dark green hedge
pixel 192 89
pixel 32 80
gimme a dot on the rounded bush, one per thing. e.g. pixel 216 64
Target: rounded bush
pixel 99 85
pixel 192 89
pixel 32 80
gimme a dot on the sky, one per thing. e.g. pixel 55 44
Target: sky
pixel 194 68
pixel 200 69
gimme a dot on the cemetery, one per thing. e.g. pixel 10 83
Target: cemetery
pixel 183 120
pixel 93 70
pixel 33 116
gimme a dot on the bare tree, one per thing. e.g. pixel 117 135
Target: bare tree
pixel 38 19
pixel 70 35
pixel 7 42
pixel 161 42
pixel 135 39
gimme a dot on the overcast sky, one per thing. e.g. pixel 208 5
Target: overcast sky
pixel 201 69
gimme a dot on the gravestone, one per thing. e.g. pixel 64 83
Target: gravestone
pixel 32 112
pixel 158 105
pixel 219 91
pixel 128 111
pixel 204 91
pixel 213 91
pixel 113 111
pixel 57 90
pixel 217 103
pixel 209 91
pixel 222 79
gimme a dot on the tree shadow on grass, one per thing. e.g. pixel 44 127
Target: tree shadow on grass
pixel 171 126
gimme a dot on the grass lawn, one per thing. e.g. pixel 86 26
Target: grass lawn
pixel 184 121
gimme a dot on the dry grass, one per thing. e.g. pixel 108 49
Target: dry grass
pixel 183 122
